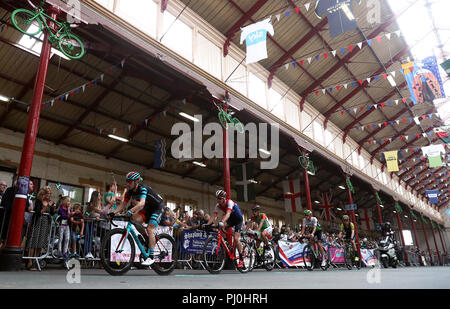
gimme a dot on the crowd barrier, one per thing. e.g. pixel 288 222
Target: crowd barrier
pixel 3 227
pixel 41 238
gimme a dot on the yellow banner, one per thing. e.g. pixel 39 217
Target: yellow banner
pixel 391 161
pixel 408 67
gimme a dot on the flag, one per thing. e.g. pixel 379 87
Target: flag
pixel 327 213
pixel 291 194
pixel 433 152
pixel 391 160
pixel 245 189
pixel 432 196
pixel 366 217
pixel 255 36
pixel 442 133
pixel 160 153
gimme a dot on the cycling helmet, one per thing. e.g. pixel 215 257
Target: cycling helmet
pixel 345 217
pixel 256 208
pixel 220 194
pixel 134 176
pixel 307 212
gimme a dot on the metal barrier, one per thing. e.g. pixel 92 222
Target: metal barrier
pixel 38 237
pixel 3 234
pixel 90 244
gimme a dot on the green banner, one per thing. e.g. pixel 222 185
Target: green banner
pixel 350 185
pixel 433 225
pixel 398 208
pixel 378 198
pixel 413 215
pixel 424 220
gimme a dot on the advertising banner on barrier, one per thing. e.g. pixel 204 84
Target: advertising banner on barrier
pixel 193 241
pixel 125 255
pixel 291 253
pixel 337 255
pixel 368 257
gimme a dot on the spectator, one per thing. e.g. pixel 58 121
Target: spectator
pixel 77 227
pixel 7 202
pixel 207 217
pixel 43 210
pixel 93 212
pixel 276 234
pixel 28 212
pixel 201 217
pixel 185 219
pixel 64 214
pixel 168 217
pixel 193 222
pixel 2 188
pixel 110 196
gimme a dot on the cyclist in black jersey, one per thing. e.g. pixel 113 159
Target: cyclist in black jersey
pixel 348 230
pixel 147 208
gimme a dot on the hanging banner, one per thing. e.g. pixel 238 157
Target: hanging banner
pixel 432 196
pixel 160 154
pixel 391 160
pixel 339 13
pixel 443 133
pixel 245 188
pixel 337 255
pixel 291 253
pixel 255 36
pixel 291 194
pixel 446 67
pixel 424 80
pixel 433 153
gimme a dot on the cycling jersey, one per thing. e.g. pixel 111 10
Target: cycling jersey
pixel 262 217
pixel 309 225
pixel 347 229
pixel 236 219
pixel 154 203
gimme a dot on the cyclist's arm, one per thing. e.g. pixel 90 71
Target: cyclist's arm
pixel 227 215
pixel 139 206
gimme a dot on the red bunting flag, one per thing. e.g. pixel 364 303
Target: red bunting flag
pixel 317 92
pixel 342 113
pixel 385 124
pixel 325 55
pixel 362 107
pixel 404 100
pixel 404 120
pixel 338 87
pixel 382 104
pixel 351 48
pixel 301 62
pixel 297 9
pixel 361 82
pixel 385 76
pixel 379 39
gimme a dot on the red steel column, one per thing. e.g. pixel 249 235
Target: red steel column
pixel 307 189
pixel 435 244
pixel 426 240
pixel 26 160
pixel 226 170
pixel 350 200
pixel 380 218
pixel 400 226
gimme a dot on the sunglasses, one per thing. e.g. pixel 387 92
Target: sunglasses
pixel 130 181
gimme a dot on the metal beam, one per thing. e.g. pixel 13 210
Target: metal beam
pixel 237 25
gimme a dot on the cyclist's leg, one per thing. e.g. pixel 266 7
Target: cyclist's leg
pixel 265 235
pixel 139 218
pixel 153 223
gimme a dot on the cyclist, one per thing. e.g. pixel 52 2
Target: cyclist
pixel 314 230
pixel 147 208
pixel 263 225
pixel 233 218
pixel 348 230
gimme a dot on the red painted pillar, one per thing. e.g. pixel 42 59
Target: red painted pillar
pixel 380 218
pixel 426 240
pixel 11 256
pixel 435 244
pixel 226 170
pixel 307 189
pixel 350 200
pixel 400 226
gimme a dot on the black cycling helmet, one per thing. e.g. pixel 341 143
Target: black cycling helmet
pixel 256 208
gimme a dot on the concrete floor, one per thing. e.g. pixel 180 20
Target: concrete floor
pixel 401 278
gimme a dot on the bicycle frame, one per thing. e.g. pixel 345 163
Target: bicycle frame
pixel 231 255
pixel 130 230
pixel 62 27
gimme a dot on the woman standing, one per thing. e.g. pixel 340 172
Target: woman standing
pixel 92 214
pixel 43 210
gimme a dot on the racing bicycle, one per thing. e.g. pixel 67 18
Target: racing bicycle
pixel 118 249
pixel 349 255
pixel 32 23
pixel 217 248
pixel 227 118
pixel 260 256
pixel 312 255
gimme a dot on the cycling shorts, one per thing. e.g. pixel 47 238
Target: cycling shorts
pixel 236 222
pixel 151 217
pixel 267 231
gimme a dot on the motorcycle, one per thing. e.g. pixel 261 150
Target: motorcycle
pixel 386 248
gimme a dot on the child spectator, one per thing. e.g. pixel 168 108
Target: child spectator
pixel 64 214
pixel 110 196
pixel 92 213
pixel 77 227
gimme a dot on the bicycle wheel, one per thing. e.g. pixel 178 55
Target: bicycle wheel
pixel 348 257
pixel 248 260
pixel 254 255
pixel 213 256
pixel 269 258
pixel 117 253
pixel 309 259
pixel 165 255
pixel 23 20
pixel 223 119
pixel 71 46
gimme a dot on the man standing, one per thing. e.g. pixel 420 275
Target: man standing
pixel 2 189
